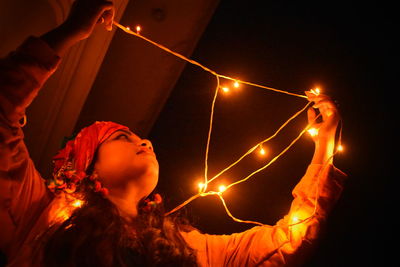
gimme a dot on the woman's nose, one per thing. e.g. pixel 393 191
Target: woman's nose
pixel 147 144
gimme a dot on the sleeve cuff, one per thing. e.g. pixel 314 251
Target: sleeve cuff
pixel 38 49
pixel 327 176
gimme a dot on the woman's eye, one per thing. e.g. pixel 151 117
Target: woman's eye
pixel 122 136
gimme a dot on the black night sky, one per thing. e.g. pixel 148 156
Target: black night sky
pixel 344 47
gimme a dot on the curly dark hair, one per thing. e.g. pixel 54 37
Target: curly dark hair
pixel 97 235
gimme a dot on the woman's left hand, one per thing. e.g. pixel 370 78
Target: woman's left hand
pixel 326 128
pixel 329 113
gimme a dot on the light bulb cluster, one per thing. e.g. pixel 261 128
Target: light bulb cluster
pixel 315 91
pixel 138 28
pixel 226 89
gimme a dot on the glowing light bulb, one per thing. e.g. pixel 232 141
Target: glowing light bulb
pixel 128 28
pixel 262 151
pixel 316 91
pixel 340 148
pixel 236 84
pixel 201 186
pixel 77 203
pixel 295 219
pixel 138 29
pixel 313 131
pixel 222 188
pixel 225 89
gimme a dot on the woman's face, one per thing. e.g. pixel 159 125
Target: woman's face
pixel 125 158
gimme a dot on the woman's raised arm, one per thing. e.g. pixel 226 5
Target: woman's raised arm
pixel 22 73
pixel 314 197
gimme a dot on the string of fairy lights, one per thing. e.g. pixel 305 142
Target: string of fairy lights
pixel 257 148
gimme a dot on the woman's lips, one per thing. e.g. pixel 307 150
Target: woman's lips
pixel 145 151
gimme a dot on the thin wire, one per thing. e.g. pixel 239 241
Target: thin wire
pixel 209 136
pixel 127 30
pixel 248 177
pixel 272 160
pixel 200 65
pixel 313 214
pixel 233 217
pixel 183 204
pixel 325 165
pixel 262 86
pixel 218 76
pixel 200 194
pixel 262 142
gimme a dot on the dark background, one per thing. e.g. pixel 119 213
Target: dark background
pixel 344 47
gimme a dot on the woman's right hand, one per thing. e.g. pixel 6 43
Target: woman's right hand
pixel 80 23
pixel 86 14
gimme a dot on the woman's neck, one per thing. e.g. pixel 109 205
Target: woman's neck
pixel 126 200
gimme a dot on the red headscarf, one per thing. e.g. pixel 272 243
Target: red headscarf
pixel 71 162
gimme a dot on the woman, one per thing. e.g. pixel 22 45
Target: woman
pixel 95 210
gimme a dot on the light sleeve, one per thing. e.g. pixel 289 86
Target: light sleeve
pixel 283 243
pixel 22 190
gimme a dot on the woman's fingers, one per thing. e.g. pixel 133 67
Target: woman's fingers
pixel 326 107
pixel 85 14
pixel 107 14
pixel 317 97
pixel 322 102
pixel 328 111
pixel 311 115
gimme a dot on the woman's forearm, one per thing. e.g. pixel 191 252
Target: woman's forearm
pixel 323 153
pixel 60 39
